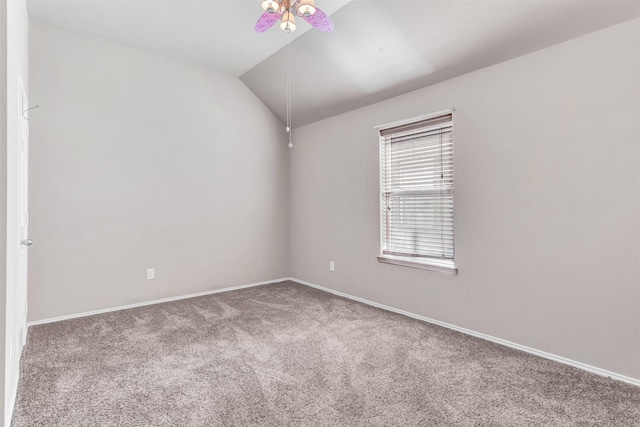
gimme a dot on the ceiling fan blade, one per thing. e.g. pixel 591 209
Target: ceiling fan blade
pixel 320 20
pixel 266 21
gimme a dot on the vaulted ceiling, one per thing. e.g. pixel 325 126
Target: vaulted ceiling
pixel 379 49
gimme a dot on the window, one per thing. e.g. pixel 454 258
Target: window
pixel 416 185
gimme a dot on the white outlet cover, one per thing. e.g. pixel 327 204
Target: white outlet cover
pixel 332 266
pixel 151 273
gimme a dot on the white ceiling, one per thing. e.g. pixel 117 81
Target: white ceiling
pixel 379 49
pixel 218 34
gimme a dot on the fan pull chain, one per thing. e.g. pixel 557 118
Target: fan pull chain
pixel 288 128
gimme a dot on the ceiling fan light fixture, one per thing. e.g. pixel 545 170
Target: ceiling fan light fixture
pixel 306 8
pixel 270 6
pixel 288 24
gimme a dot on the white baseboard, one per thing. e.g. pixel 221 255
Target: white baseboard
pixel 544 354
pixel 540 353
pixel 157 301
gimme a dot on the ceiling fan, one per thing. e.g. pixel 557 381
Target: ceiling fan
pixel 287 9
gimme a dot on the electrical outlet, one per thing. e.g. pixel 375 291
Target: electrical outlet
pixel 332 266
pixel 151 273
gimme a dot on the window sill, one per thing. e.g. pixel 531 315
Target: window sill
pixel 434 265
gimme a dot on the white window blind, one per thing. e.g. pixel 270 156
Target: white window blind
pixel 416 176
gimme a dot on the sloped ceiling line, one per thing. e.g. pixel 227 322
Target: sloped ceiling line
pixel 379 49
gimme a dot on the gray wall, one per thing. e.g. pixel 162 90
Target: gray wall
pixel 3 199
pixel 547 175
pixel 138 161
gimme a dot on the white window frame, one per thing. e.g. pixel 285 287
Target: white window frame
pixel 440 265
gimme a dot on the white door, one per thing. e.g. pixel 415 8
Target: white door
pixel 23 212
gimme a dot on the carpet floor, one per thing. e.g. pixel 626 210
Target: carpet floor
pixel 289 355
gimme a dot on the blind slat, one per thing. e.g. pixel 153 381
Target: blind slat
pixel 443 120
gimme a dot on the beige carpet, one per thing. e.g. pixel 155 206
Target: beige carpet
pixel 289 355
